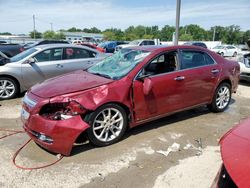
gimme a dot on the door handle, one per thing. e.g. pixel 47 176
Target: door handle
pixel 214 71
pixel 179 78
pixel 59 66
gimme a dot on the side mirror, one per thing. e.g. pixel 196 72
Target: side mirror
pixel 147 86
pixel 30 60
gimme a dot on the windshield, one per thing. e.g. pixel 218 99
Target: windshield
pixel 219 47
pixel 134 42
pixel 22 55
pixel 119 64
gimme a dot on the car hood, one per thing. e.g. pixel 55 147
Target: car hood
pixel 68 83
pixel 235 151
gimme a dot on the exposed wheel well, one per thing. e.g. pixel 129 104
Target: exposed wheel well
pixel 13 78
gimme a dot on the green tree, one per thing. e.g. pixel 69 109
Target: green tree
pixel 73 29
pixel 186 37
pixel 166 33
pixel 37 34
pixel 246 36
pixel 195 31
pixel 5 33
pixel 53 35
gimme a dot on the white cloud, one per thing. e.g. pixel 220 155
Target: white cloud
pixel 16 16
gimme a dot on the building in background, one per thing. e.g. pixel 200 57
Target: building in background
pixel 82 36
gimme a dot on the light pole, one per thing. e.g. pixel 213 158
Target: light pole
pixel 34 27
pixel 177 25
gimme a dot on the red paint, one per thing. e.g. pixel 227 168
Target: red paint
pixel 94 47
pixel 235 152
pixel 164 95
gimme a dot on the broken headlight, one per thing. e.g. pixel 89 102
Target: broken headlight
pixel 61 111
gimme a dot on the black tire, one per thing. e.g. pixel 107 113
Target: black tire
pixel 12 92
pixel 96 117
pixel 222 54
pixel 235 54
pixel 214 106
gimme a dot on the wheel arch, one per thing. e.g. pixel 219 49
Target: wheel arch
pixel 82 137
pixel 226 80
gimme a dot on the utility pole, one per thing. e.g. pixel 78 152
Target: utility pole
pixel 34 27
pixel 214 33
pixel 177 25
pixel 51 26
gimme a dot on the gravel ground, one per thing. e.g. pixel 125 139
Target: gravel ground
pixel 163 153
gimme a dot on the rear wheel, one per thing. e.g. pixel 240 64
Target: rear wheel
pixel 235 54
pixel 108 124
pixel 222 54
pixel 8 88
pixel 221 98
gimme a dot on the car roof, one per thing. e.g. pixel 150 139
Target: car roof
pixel 47 46
pixel 44 46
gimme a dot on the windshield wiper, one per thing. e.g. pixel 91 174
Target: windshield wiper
pixel 103 75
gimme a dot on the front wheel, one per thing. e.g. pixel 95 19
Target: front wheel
pixel 221 98
pixel 107 124
pixel 8 88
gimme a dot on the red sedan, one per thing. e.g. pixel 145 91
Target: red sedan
pixel 134 86
pixel 235 150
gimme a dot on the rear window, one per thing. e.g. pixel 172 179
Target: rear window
pixel 78 53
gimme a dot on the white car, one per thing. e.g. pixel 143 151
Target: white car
pixel 226 50
pixel 244 62
pixel 141 42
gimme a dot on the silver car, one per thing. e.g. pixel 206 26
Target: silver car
pixel 34 65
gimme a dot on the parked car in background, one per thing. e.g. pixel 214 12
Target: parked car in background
pixel 77 42
pixel 134 86
pixel 141 42
pixel 110 46
pixel 3 42
pixel 42 42
pixel 34 65
pixel 11 50
pixel 244 61
pixel 98 48
pixel 194 43
pixel 235 152
pixel 226 50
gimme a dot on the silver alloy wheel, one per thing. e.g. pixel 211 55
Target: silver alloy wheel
pixel 7 89
pixel 108 124
pixel 223 97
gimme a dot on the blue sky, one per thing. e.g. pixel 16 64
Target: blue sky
pixel 16 15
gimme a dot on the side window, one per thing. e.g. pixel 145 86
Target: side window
pixel 151 43
pixel 78 53
pixel 209 60
pixel 164 63
pixel 192 59
pixel 49 55
pixel 143 43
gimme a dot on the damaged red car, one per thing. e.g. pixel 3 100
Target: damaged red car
pixel 134 86
pixel 235 152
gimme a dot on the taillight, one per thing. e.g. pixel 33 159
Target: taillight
pixel 21 49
